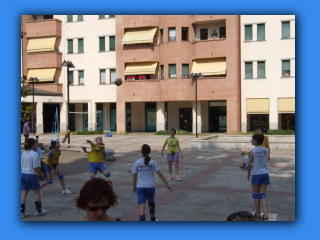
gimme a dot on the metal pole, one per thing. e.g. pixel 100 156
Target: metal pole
pixel 68 104
pixel 196 106
pixel 33 108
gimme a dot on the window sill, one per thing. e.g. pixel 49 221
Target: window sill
pixel 255 78
pixel 172 41
pixel 172 78
pixel 286 38
pixel 82 85
pixel 185 41
pixel 287 77
pixel 146 80
pixel 74 53
pixel 102 18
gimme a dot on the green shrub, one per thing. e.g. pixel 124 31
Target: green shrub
pixel 86 132
pixel 178 132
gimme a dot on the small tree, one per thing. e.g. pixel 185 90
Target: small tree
pixel 26 111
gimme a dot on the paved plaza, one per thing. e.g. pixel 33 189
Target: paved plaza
pixel 212 186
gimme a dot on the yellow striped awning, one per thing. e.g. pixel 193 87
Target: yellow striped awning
pixel 44 75
pixel 139 35
pixel 258 105
pixel 286 105
pixel 41 44
pixel 140 68
pixel 210 66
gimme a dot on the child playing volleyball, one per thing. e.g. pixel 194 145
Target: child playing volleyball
pixel 95 158
pixel 52 164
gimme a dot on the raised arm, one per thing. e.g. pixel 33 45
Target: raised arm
pixel 91 143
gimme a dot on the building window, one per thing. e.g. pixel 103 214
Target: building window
pixel 81 77
pixel 112 75
pixel 172 34
pixel 222 32
pixel 248 32
pixel 261 69
pixel 102 16
pixel 185 34
pixel 161 35
pixel 112 43
pixel 112 16
pixel 185 70
pixel 285 29
pixel 103 76
pixel 70 46
pixel 162 72
pixel 285 68
pixel 47 16
pixel 102 44
pixel 69 18
pixel 80 45
pixel 172 70
pixel 257 121
pixel 261 32
pixel 71 77
pixel 80 17
pixel 204 34
pixel 248 70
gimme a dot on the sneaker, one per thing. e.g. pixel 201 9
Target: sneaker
pixel 41 192
pixel 178 178
pixel 169 178
pixel 66 191
pixel 24 214
pixel 43 212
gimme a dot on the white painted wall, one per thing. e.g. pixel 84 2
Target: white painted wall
pixel 90 29
pixel 272 50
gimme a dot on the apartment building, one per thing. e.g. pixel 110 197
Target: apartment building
pixel 88 41
pixel 267 72
pixel 156 55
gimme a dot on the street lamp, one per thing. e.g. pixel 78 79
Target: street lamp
pixel 195 76
pixel 33 79
pixel 68 64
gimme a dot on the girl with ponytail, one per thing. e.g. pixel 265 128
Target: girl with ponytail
pixel 143 182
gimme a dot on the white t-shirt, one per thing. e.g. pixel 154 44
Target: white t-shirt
pixel 29 161
pixel 145 173
pixel 260 159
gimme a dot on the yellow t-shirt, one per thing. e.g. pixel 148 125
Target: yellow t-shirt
pixel 172 144
pixel 96 154
pixel 264 144
pixel 54 155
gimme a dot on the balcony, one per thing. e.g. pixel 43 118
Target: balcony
pixel 55 88
pixel 209 48
pixel 42 28
pixel 44 60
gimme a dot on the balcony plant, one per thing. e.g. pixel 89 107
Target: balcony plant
pixel 214 34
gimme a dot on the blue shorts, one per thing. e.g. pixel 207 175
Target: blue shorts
pixel 172 158
pixel 260 179
pixel 145 193
pixel 95 167
pixel 47 169
pixel 29 181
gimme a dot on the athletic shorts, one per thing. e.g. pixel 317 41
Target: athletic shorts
pixel 48 169
pixel 260 179
pixel 95 167
pixel 145 193
pixel 29 181
pixel 172 158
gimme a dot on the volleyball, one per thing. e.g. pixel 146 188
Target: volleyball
pixel 118 81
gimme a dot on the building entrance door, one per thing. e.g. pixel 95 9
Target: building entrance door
pixel 185 119
pixel 217 119
pixel 49 111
